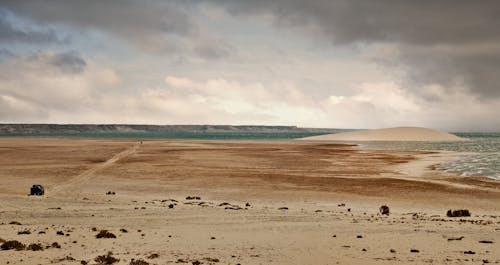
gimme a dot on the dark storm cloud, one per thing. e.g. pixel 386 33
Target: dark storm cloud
pixel 6 54
pixel 10 33
pixel 451 43
pixel 152 25
pixel 414 22
pixel 447 42
pixel 475 67
pixel 212 49
pixel 65 62
pixel 68 62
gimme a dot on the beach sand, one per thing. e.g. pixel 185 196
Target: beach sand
pixel 284 202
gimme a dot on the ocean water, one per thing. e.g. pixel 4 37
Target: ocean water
pixel 195 135
pixel 481 153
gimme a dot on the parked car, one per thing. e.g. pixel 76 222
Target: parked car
pixel 37 190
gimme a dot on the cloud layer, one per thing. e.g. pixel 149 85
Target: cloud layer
pixel 446 42
pixel 349 64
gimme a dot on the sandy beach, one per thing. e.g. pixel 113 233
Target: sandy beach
pixel 223 202
pixel 249 132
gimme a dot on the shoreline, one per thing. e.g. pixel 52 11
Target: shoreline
pixel 408 166
pixel 259 203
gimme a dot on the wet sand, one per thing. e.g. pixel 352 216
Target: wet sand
pixel 332 193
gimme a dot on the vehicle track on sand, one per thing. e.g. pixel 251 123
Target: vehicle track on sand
pixel 89 173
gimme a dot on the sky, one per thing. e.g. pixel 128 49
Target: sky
pixel 318 63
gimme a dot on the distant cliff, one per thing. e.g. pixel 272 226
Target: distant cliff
pixel 15 129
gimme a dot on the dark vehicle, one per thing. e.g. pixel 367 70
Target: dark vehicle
pixel 384 209
pixel 37 190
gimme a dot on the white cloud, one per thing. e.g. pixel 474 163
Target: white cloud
pixel 377 105
pixel 336 99
pixel 101 95
pixel 277 103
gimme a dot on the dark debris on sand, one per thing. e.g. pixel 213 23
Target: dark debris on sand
pixel 35 247
pixel 138 262
pixel 12 244
pixel 24 232
pixel 55 245
pixel 105 234
pixel 67 258
pixel 153 256
pixel 106 259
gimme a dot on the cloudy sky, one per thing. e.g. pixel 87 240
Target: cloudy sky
pixel 319 63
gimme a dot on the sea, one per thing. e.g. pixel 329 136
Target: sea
pixel 480 154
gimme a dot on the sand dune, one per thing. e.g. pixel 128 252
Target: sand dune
pixel 390 134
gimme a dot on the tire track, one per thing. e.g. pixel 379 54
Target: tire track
pixel 88 174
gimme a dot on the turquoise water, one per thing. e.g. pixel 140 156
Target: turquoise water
pixel 483 158
pixel 200 135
